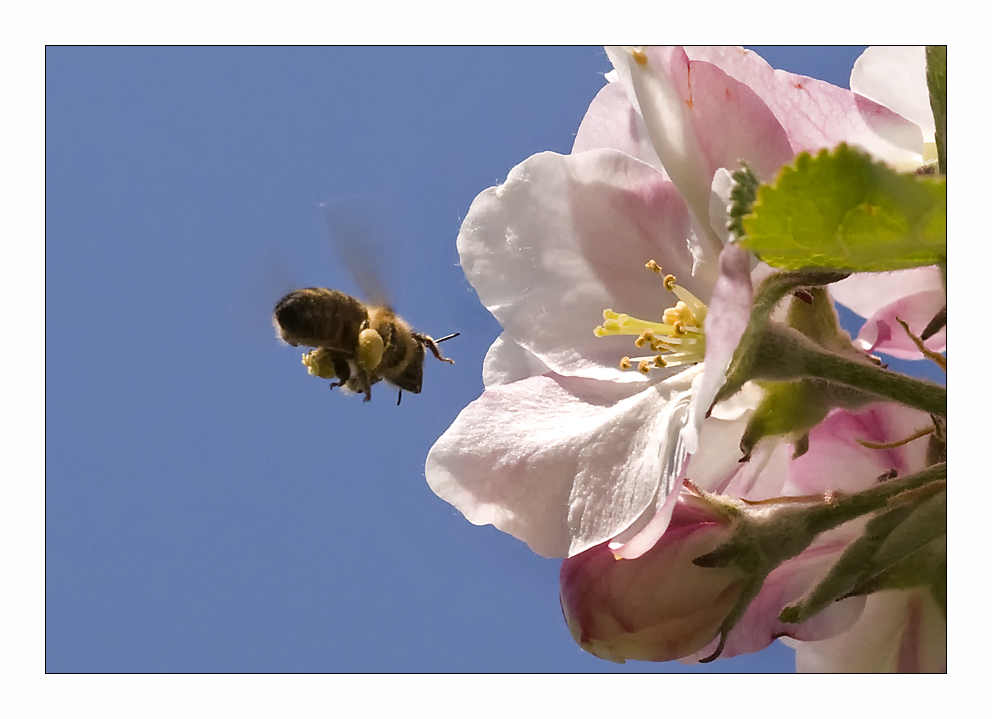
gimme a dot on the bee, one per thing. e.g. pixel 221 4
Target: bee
pixel 356 343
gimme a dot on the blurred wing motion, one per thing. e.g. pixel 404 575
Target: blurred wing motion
pixel 357 228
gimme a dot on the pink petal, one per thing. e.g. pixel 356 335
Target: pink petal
pixel 788 582
pixel 562 463
pixel 612 122
pixel 700 119
pixel 816 114
pixel 882 333
pixel 836 461
pixel 655 608
pixel 729 313
pixel 868 292
pixel 899 631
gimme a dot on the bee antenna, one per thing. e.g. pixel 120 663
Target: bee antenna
pixel 448 337
pixel 399 397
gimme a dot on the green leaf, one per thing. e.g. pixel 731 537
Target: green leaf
pixel 846 211
pixel 937 83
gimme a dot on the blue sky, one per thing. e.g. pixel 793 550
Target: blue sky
pixel 210 506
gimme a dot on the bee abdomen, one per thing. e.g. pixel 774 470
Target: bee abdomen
pixel 319 317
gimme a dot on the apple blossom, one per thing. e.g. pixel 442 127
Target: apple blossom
pixel 579 449
pixel 565 238
pixel 584 451
pixel 707 108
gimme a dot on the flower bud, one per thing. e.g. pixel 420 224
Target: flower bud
pixel 659 606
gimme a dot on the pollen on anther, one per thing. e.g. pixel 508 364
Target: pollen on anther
pixel 644 367
pixel 625 363
pixel 639 57
pixel 659 361
pixel 670 283
pixel 653 266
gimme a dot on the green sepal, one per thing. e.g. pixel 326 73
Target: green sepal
pixel 846 211
pixel 767 533
pixel 792 409
pixel 903 546
pixel 748 360
pixel 937 84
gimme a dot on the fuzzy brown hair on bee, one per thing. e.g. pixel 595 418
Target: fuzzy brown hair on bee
pixel 357 344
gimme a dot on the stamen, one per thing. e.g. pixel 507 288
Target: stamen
pixel 898 443
pixel 936 357
pixel 678 339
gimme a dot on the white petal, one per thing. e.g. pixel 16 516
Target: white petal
pixel 866 293
pixel 561 463
pixel 656 93
pixel 566 237
pixel 506 362
pixel 897 78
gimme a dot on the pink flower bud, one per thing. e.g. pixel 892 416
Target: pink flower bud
pixel 659 606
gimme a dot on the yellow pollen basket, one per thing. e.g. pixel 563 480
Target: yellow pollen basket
pixel 678 339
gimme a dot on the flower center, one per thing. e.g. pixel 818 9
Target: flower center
pixel 678 339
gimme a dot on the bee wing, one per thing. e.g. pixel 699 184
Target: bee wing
pixel 357 228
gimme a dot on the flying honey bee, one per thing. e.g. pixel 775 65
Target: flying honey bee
pixel 356 343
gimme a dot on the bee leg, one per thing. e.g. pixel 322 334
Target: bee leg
pixel 343 372
pixel 361 382
pixel 432 346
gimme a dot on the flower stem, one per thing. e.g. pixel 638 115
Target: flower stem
pixel 792 350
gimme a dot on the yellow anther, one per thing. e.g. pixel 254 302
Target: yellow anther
pixel 644 367
pixel 654 267
pixel 646 336
pixel 679 312
pixel 625 363
pixel 670 283
pixel 659 361
pixel 639 57
pixel 679 327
